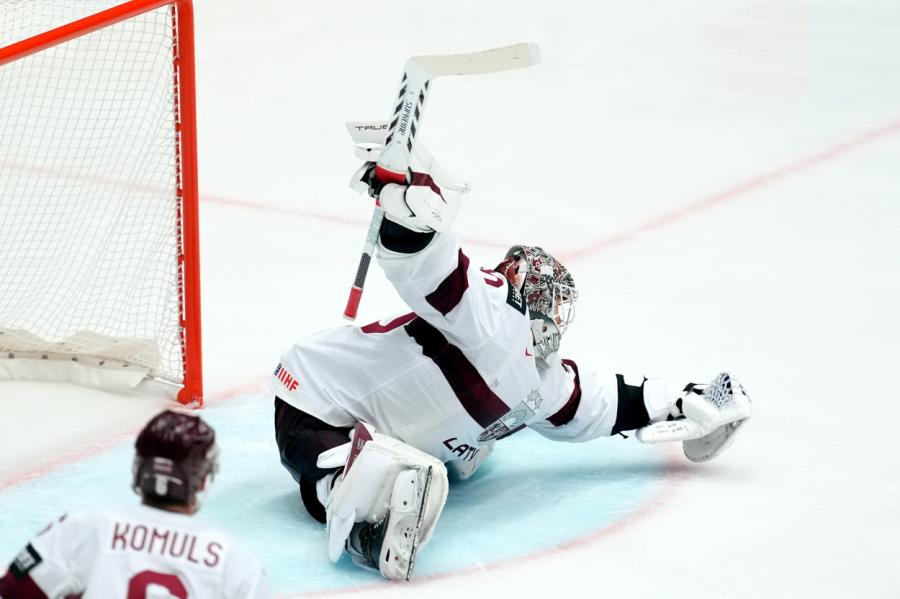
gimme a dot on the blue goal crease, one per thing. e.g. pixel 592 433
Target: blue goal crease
pixel 510 508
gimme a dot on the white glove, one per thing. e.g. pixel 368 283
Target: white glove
pixel 705 409
pixel 428 203
pixel 420 208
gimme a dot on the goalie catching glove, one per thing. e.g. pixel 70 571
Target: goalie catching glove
pixel 427 203
pixel 708 417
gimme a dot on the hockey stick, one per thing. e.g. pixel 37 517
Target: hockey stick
pixel 393 163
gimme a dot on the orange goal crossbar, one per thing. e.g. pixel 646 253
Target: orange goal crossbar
pixel 88 24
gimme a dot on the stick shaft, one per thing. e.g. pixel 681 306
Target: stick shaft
pixel 352 307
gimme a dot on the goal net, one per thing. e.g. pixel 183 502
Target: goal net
pixel 99 279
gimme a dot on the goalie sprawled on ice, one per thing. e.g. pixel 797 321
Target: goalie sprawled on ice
pixel 476 360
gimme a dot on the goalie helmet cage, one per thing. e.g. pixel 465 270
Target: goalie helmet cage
pixel 99 256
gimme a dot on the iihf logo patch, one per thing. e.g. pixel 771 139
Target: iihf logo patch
pixel 289 381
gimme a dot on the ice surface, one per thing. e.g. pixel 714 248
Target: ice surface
pixel 724 181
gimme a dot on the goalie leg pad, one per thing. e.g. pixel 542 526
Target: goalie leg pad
pixel 390 545
pixel 386 504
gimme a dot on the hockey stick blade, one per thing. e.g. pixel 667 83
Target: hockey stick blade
pixel 410 107
pixel 495 60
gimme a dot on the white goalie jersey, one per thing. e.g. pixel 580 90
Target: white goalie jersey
pixel 456 372
pixel 134 552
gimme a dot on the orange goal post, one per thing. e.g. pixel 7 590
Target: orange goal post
pixel 99 255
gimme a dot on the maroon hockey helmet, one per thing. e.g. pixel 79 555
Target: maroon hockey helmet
pixel 174 455
pixel 548 289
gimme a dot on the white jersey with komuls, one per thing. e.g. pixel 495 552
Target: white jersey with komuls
pixel 457 371
pixel 135 552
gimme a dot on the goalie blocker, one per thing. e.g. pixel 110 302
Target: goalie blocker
pixel 383 507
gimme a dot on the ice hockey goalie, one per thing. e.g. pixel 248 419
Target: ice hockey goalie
pixel 476 359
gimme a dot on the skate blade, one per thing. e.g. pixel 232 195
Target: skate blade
pixel 421 517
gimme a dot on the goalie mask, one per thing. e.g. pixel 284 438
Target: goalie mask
pixel 174 455
pixel 548 289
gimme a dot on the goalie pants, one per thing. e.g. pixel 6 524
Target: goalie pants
pixel 301 438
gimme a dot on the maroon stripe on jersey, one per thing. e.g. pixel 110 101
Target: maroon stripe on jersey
pixel 566 413
pixel 449 293
pixel 471 390
pixel 377 327
pixel 425 180
pixel 23 587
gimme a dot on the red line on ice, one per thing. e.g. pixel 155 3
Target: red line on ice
pixel 322 216
pixel 737 191
pixel 654 223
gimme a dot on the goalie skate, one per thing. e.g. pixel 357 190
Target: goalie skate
pixel 724 407
pixel 390 545
pixel 386 503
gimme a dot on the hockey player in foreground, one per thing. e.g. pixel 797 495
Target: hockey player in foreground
pixel 154 549
pixel 475 361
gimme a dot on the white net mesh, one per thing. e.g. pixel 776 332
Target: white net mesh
pixel 89 210
pixel 20 19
